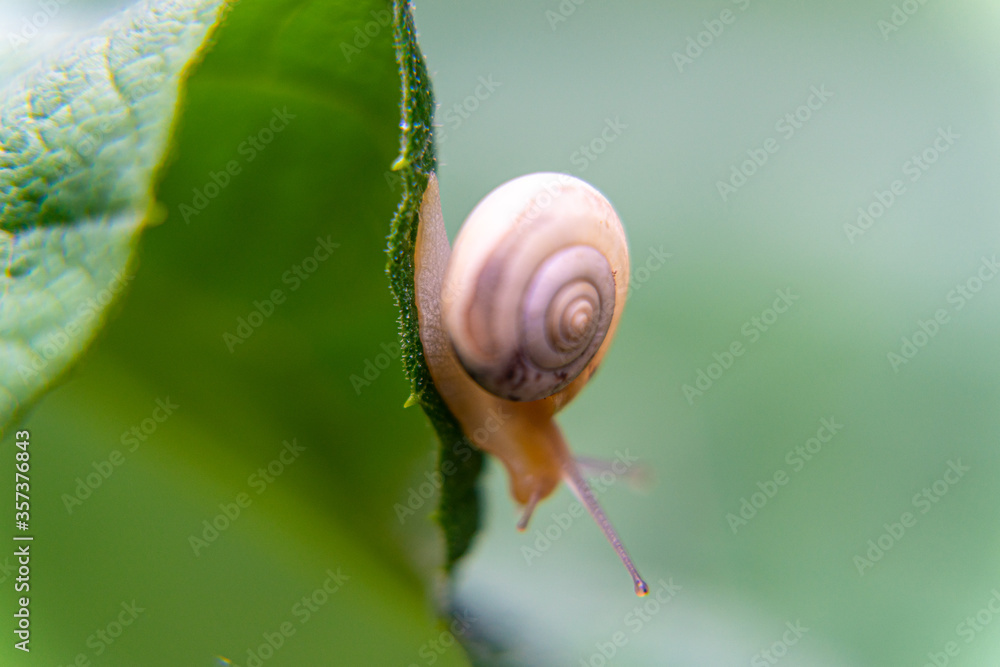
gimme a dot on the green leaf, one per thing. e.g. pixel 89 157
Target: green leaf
pixel 458 513
pixel 236 434
pixel 80 138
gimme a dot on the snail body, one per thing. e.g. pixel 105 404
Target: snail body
pixel 516 319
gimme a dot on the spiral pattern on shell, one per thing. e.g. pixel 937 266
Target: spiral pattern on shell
pixel 535 285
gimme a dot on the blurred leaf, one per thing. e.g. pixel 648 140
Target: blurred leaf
pixel 81 136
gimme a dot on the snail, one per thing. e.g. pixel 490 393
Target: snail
pixel 515 320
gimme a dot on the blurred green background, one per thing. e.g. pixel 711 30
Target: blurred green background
pixel 670 135
pixel 560 82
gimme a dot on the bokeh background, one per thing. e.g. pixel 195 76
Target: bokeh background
pixel 564 70
pixel 598 90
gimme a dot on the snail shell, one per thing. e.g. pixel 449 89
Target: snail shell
pixel 516 320
pixel 535 285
